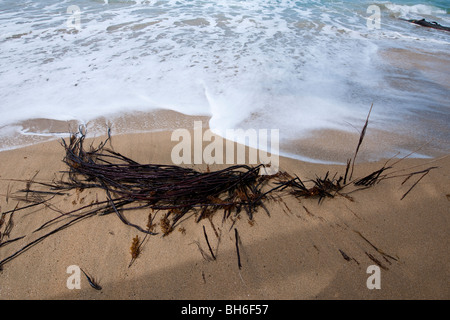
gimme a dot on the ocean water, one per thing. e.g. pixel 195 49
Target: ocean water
pixel 296 66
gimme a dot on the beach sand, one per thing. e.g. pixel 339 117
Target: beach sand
pixel 295 253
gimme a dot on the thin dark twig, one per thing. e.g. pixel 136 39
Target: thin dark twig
pixel 207 242
pixel 26 247
pixel 236 236
pixel 4 243
pixel 92 281
pixel 361 138
pixel 414 185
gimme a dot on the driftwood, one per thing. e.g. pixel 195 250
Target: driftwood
pixel 425 23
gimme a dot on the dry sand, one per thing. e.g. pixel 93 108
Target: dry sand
pixel 293 254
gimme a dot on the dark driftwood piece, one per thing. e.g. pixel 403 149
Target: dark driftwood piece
pixel 425 23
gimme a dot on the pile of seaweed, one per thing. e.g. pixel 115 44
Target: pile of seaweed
pixel 171 190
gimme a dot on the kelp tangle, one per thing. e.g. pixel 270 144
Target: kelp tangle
pixel 171 190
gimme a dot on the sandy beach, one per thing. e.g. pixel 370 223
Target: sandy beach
pixel 303 74
pixel 303 250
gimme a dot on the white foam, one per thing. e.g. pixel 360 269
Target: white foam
pixel 416 9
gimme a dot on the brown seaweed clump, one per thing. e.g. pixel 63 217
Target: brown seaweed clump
pixel 173 190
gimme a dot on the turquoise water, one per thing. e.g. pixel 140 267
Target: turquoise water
pixel 296 66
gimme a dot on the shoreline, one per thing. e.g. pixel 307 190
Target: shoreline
pixel 295 253
pixel 322 146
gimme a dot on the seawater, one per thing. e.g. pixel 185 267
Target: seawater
pixel 296 66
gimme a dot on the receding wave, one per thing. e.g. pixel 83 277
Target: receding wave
pixel 294 65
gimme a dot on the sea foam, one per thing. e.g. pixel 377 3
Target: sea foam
pixel 296 66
